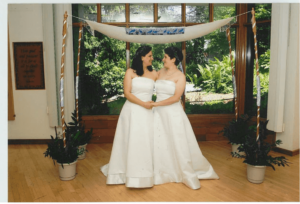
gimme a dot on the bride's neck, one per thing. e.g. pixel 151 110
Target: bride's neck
pixel 170 69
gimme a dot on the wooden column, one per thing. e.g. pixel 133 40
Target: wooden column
pixel 241 46
pixel 233 74
pixel 99 13
pixel 78 64
pixel 211 12
pixel 62 77
pixel 155 13
pixel 257 73
pixel 11 107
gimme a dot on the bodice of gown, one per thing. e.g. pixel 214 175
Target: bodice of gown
pixel 142 88
pixel 164 89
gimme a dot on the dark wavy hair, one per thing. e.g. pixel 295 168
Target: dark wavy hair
pixel 137 63
pixel 174 52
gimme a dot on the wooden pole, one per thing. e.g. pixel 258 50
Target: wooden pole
pixel 233 74
pixel 77 73
pixel 62 77
pixel 257 72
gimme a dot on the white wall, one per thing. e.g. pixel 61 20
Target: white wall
pixel 34 23
pixel 283 101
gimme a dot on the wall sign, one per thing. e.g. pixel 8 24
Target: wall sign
pixel 29 65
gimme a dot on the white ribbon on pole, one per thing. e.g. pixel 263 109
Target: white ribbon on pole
pixel 258 90
pixel 62 92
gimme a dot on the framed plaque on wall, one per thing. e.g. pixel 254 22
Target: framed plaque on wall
pixel 29 65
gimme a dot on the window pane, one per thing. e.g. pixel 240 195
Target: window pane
pixel 169 13
pixel 87 11
pixel 208 74
pixel 101 74
pixel 263 12
pixel 223 11
pixel 197 13
pixel 141 13
pixel 113 13
pixel 263 43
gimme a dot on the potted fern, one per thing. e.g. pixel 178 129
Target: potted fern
pixel 257 155
pixel 236 132
pixel 80 137
pixel 66 157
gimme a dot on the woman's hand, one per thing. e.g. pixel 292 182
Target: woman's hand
pixel 148 104
pixel 153 104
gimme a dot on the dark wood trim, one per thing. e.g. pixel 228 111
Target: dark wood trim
pixel 285 151
pixel 240 64
pixel 205 126
pixel 155 12
pixel 99 13
pixel 28 141
pixel 11 106
pixel 211 12
pixel 183 14
pixel 127 14
pixel 249 70
pixel 258 22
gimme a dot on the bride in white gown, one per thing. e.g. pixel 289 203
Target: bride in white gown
pixel 176 155
pixel 132 153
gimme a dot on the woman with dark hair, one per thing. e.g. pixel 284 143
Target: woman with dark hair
pixel 131 157
pixel 176 154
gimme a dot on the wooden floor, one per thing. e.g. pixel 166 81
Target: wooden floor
pixel 31 177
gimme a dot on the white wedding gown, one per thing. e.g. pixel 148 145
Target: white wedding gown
pixel 131 160
pixel 176 154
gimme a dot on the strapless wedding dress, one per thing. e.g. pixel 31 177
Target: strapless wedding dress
pixel 132 153
pixel 176 155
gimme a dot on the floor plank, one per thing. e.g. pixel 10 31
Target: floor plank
pixel 33 178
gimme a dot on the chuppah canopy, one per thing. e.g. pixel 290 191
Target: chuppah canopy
pixel 157 35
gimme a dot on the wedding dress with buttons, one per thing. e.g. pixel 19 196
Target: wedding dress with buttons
pixel 176 154
pixel 132 153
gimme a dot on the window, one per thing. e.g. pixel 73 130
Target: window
pixel 209 75
pixel 222 11
pixel 262 14
pixel 113 13
pixel 197 13
pixel 141 13
pixel 169 13
pixel 209 54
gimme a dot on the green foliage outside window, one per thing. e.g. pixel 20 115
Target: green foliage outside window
pixel 207 66
pixel 215 77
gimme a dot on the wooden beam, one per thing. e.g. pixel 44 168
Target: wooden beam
pixel 240 63
pixel 127 14
pixel 99 13
pixel 155 13
pixel 211 12
pixel 11 107
pixel 183 14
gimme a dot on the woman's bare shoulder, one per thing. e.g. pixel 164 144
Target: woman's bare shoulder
pixel 181 76
pixel 129 70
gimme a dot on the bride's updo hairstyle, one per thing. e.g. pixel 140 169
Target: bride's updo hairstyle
pixel 174 52
pixel 137 63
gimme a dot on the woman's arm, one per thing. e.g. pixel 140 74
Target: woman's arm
pixel 127 91
pixel 180 86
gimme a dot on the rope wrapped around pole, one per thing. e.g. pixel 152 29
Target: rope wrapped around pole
pixel 78 61
pixel 257 72
pixel 62 77
pixel 233 74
